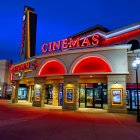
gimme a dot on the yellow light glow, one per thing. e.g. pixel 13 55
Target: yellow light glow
pixel 37 86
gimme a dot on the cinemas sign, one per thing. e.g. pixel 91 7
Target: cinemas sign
pixel 71 43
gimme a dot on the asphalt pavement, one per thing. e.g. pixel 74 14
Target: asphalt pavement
pixel 24 122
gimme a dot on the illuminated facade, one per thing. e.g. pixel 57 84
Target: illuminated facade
pixel 89 69
pixel 5 83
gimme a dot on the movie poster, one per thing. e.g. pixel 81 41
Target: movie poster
pixel 37 95
pixel 69 92
pixel 116 96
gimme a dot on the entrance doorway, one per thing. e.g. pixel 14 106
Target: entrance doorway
pixel 49 94
pixel 89 98
pixel 94 98
pixel 93 95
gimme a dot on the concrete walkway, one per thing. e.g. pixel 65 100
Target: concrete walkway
pixel 51 107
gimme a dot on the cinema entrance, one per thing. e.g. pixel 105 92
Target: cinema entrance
pixel 93 95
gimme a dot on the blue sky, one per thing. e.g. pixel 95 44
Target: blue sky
pixel 58 19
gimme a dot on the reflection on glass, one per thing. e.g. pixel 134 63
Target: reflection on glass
pixel 93 95
pixel 134 101
pixel 138 96
pixel 89 97
pixel 128 98
pixel 82 95
pixel 131 99
pixel 49 94
pixel 60 94
pixel 69 94
pixel 97 96
pixel 32 93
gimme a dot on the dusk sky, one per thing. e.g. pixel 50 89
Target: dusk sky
pixel 58 19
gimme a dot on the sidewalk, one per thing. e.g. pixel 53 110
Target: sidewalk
pixel 51 107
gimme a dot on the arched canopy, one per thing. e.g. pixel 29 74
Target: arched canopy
pixel 52 67
pixel 91 64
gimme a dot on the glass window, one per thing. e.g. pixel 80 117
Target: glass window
pixel 82 95
pixel 49 94
pixel 60 94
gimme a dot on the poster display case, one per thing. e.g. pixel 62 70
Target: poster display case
pixel 37 94
pixel 69 95
pixel 116 94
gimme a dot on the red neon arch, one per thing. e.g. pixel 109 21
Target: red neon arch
pixel 91 64
pixel 51 67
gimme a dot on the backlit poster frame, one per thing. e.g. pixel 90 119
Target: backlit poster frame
pixel 116 94
pixel 69 95
pixel 37 94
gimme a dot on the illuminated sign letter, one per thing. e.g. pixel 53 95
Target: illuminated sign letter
pixel 56 45
pixel 64 44
pixel 27 65
pixel 86 42
pixel 95 39
pixel 50 46
pixel 44 48
pixel 74 43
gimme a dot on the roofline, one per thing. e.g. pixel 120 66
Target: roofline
pixel 90 29
pixel 123 30
pixel 109 33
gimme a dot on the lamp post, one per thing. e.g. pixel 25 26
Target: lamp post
pixel 135 65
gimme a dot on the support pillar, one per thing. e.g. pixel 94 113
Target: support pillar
pixel 117 93
pixel 70 93
pixel 29 93
pixel 14 97
pixel 55 94
pixel 39 92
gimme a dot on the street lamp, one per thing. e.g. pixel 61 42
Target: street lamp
pixel 135 65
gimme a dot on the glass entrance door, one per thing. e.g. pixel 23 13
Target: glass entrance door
pixel 98 98
pixel 49 94
pixel 93 95
pixel 94 98
pixel 89 97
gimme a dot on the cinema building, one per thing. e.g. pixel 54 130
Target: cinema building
pixel 91 69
